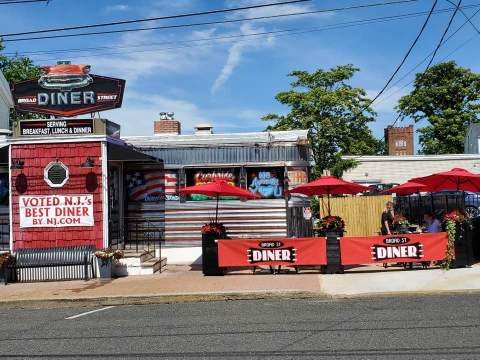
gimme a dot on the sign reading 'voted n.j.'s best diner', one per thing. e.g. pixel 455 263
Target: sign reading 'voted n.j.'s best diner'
pixel 56 210
pixel 68 90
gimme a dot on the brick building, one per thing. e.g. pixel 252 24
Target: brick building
pixel 399 140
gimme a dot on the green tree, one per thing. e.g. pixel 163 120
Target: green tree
pixel 335 113
pixel 18 69
pixel 447 96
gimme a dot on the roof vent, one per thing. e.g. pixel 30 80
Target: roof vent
pixel 203 129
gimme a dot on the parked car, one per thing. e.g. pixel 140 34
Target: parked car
pixel 377 188
pixel 471 200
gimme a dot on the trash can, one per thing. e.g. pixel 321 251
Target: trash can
pixel 210 255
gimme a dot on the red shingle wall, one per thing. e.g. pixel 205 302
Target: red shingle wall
pixel 36 158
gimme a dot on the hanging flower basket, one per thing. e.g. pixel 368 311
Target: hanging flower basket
pixel 451 223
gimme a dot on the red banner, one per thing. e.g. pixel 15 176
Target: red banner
pixel 273 252
pixel 393 248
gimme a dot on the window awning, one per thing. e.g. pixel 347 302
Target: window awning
pixel 118 152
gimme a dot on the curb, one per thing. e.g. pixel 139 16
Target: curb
pixel 155 299
pixel 207 297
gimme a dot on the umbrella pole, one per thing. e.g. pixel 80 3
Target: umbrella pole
pixel 216 211
pixel 328 201
pixel 420 207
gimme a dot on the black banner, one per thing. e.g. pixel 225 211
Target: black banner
pixel 61 96
pixel 56 127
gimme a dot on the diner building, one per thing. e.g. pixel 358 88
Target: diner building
pixel 267 163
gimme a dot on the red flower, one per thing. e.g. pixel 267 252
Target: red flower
pixel 214 228
pixel 332 223
pixel 455 215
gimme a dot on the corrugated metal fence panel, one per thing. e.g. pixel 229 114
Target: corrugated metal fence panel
pixel 229 154
pixel 362 214
pixel 255 218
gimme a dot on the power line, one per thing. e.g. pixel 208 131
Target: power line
pixel 13 2
pixel 469 19
pixel 209 22
pixel 278 33
pixel 177 16
pixel 466 16
pixel 272 33
pixel 404 57
pixel 444 33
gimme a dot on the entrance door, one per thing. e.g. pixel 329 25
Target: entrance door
pixel 115 203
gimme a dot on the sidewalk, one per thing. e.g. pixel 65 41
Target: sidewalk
pixel 181 283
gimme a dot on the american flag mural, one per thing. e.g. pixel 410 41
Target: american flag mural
pixel 171 189
pixel 146 185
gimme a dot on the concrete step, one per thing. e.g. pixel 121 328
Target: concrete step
pixel 141 255
pixel 155 264
pixel 134 266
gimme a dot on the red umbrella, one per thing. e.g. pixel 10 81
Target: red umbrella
pixel 407 188
pixel 327 185
pixel 455 179
pixel 219 188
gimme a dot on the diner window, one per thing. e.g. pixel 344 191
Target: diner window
pixel 266 182
pixel 207 175
pixel 400 143
pixel 56 174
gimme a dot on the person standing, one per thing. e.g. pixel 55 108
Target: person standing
pixel 387 219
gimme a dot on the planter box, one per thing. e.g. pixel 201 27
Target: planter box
pixel 463 246
pixel 210 255
pixel 104 269
pixel 334 263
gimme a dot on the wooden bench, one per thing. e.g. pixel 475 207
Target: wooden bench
pixel 51 264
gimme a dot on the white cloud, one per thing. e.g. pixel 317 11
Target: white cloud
pixel 235 53
pixel 117 7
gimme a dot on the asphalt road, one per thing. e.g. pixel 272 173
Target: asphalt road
pixel 431 327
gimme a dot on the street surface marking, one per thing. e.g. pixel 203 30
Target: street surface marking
pixel 88 313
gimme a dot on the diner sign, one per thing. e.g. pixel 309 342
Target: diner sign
pixel 67 90
pixel 393 248
pixel 56 127
pixel 272 252
pixel 56 210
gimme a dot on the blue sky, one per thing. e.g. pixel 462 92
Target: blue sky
pixel 231 83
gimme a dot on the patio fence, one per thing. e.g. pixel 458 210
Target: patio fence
pixel 362 214
pixel 414 206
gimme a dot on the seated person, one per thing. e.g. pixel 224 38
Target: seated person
pixel 433 224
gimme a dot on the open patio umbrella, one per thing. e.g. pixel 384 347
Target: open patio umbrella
pixel 455 179
pixel 219 188
pixel 410 187
pixel 329 185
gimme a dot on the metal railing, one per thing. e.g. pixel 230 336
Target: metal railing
pixel 139 234
pixel 413 207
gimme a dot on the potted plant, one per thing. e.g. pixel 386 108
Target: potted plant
pixel 400 224
pixel 105 259
pixel 213 230
pixel 459 247
pixel 331 225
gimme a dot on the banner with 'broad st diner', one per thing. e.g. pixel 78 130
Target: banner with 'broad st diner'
pixel 393 248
